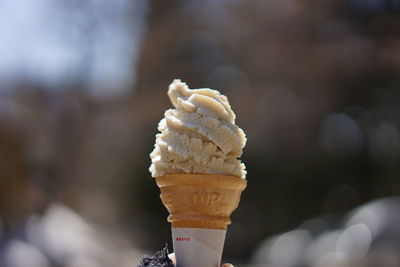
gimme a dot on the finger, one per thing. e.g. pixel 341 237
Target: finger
pixel 173 259
pixel 227 265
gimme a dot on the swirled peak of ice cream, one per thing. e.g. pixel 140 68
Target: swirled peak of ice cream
pixel 198 136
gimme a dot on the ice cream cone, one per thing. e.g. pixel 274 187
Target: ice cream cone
pixel 200 200
pixel 200 206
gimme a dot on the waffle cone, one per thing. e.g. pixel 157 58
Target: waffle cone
pixel 200 200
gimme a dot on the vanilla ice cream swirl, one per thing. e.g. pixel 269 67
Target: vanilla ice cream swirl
pixel 199 135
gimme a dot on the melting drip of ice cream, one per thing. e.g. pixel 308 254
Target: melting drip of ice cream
pixel 198 136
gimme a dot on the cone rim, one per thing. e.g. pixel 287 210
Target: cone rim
pixel 202 180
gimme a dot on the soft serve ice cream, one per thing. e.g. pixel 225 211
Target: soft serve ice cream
pixel 195 164
pixel 198 136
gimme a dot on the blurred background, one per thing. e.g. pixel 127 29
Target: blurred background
pixel 314 83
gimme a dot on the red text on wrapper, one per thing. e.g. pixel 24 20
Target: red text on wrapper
pixel 184 239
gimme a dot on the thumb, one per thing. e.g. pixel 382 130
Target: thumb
pixel 173 259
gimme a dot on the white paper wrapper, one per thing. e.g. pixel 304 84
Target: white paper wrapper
pixel 198 247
